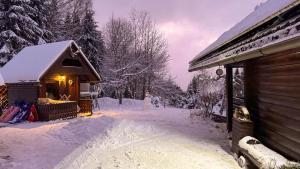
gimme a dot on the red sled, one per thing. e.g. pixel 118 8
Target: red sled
pixel 33 115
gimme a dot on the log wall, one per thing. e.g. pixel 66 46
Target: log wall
pixel 28 92
pixel 273 97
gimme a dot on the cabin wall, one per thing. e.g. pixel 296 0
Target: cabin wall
pixel 272 86
pixel 28 92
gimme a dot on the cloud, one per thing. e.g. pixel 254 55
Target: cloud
pixel 185 40
pixel 188 25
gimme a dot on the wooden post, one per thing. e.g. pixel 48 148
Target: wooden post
pixel 42 89
pixel 229 95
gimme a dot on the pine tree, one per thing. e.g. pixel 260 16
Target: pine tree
pixel 55 22
pixel 39 12
pixel 193 85
pixel 20 26
pixel 91 40
pixel 72 27
pixel 76 27
pixel 67 28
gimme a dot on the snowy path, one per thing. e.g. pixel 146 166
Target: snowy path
pixel 125 137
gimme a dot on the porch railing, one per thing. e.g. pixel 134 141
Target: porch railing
pixel 86 107
pixel 64 110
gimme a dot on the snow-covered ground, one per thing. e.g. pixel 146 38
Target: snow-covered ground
pixel 130 136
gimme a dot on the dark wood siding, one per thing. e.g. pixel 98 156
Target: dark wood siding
pixel 273 96
pixel 22 92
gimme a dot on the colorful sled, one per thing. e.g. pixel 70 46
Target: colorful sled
pixel 12 114
pixel 6 112
pixel 21 115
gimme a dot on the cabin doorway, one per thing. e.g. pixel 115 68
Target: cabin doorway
pixel 52 90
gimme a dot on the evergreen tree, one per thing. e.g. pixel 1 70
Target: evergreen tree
pixel 20 26
pixel 55 22
pixel 193 85
pixel 91 40
pixel 67 28
pixel 76 27
pixel 72 27
pixel 39 12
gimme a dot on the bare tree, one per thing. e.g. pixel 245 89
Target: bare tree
pixel 136 54
pixel 150 45
pixel 118 38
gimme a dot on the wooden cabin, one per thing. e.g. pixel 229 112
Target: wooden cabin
pixel 266 45
pixel 54 71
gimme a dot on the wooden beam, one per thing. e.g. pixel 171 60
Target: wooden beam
pixel 229 96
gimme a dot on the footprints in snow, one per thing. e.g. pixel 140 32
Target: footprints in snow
pixel 6 161
pixel 116 162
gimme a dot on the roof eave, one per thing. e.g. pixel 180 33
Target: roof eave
pixel 278 46
pixel 249 29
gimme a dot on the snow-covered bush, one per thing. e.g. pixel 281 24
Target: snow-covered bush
pixel 155 101
pixel 206 94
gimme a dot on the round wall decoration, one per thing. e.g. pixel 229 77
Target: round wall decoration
pixel 219 72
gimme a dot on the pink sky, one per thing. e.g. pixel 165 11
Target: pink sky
pixel 188 25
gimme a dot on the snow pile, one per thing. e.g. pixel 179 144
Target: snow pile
pixel 119 136
pixel 109 103
pixel 32 145
pixel 266 158
pixel 218 110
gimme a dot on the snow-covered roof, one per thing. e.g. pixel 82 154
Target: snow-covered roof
pixel 283 36
pixel 30 64
pixel 260 15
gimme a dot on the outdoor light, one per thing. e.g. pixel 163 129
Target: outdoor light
pixel 70 82
pixel 60 78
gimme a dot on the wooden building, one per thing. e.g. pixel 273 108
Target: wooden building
pixel 266 45
pixel 53 70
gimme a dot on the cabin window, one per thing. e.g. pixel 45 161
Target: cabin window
pixel 71 63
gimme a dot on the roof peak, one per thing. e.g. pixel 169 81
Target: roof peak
pixel 51 43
